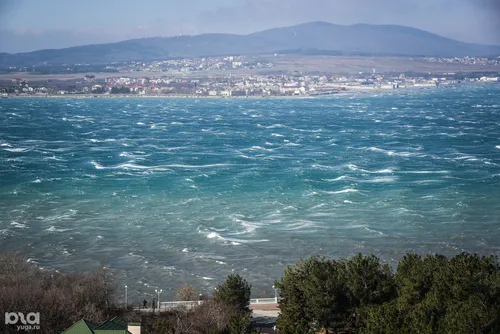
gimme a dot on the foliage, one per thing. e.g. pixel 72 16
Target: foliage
pixel 234 292
pixel 120 90
pixel 187 292
pixel 320 294
pixel 210 317
pixel 61 299
pixel 430 294
pixel 440 295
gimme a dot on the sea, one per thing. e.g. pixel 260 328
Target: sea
pixel 167 192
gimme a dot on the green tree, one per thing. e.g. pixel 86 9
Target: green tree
pixel 235 291
pixel 320 294
pixel 440 295
pixel 120 90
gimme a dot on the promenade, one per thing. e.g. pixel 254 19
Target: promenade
pixel 260 306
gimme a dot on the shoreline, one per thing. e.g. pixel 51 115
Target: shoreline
pixel 347 92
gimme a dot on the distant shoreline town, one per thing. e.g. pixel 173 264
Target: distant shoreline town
pixel 232 76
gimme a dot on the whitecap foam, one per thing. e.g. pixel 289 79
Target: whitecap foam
pixel 131 166
pixel 55 229
pixel 426 172
pixel 384 171
pixel 382 179
pixel 340 178
pixel 260 148
pixel 375 231
pixel 17 150
pixel 18 225
pixel 214 235
pixel 343 191
pixel 274 126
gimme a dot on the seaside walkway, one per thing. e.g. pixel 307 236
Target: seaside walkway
pixel 261 304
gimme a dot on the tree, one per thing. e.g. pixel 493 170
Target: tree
pixel 235 291
pixel 319 294
pixel 440 295
pixel 187 292
pixel 61 299
pixel 120 90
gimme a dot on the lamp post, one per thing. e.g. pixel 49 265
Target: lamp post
pixel 275 295
pixel 126 296
pixel 158 293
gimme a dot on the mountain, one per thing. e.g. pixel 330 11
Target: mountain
pixel 308 38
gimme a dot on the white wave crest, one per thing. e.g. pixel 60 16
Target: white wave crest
pixel 343 191
pixel 17 150
pixel 18 225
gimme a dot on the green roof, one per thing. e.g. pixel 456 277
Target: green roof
pixel 81 327
pixel 112 326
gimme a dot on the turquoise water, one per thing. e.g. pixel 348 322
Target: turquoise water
pixel 168 191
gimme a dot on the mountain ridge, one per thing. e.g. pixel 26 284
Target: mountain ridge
pixel 361 38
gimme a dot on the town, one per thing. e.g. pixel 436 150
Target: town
pixel 229 76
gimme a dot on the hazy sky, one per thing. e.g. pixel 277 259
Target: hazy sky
pixel 27 25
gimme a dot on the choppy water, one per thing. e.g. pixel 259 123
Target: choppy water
pixel 168 191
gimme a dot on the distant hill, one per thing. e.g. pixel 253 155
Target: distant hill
pixel 308 38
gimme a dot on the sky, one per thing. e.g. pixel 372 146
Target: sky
pixel 28 25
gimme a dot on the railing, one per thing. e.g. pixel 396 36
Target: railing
pixel 187 304
pixel 263 301
pixel 190 304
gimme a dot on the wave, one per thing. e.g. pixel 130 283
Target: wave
pixel 302 225
pixel 340 178
pixel 382 179
pixel 393 153
pixel 260 148
pixel 274 126
pixel 108 140
pixel 55 229
pixel 233 241
pixel 17 150
pixel 343 191
pixel 426 172
pixel 375 231
pixel 353 167
pixel 131 166
pixel 19 225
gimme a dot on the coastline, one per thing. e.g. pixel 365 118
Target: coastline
pixel 347 92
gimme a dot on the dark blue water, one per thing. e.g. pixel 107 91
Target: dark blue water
pixel 167 191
